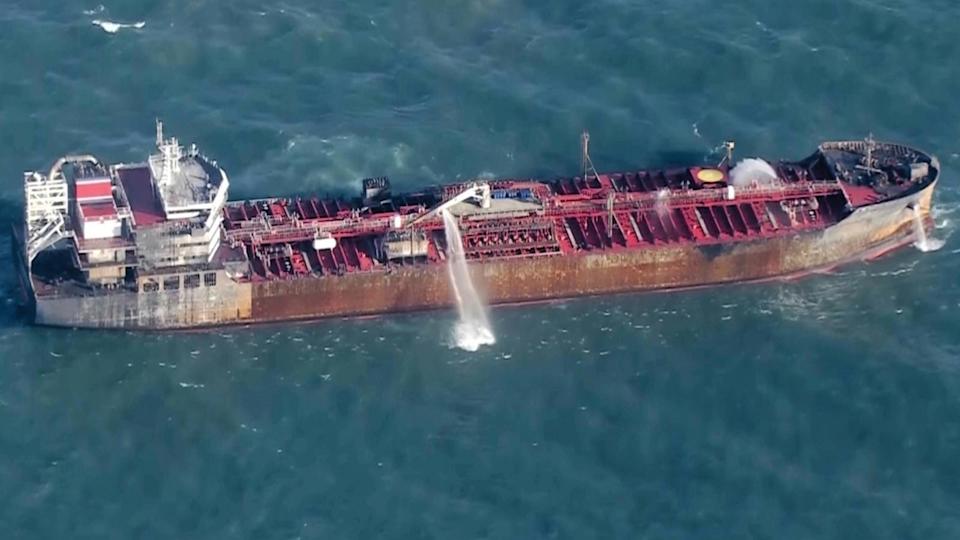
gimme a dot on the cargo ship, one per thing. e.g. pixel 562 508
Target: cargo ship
pixel 159 245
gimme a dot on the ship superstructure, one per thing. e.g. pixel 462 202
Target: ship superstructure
pixel 158 245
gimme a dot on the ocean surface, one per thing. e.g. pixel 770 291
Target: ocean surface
pixel 822 408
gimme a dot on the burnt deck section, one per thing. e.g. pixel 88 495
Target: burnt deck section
pixel 621 211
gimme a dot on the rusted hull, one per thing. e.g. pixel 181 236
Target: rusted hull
pixel 544 278
pixel 865 233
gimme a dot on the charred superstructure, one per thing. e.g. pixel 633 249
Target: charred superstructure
pixel 158 245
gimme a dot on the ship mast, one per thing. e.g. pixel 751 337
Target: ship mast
pixel 869 157
pixel 586 165
pixel 585 162
pixel 867 165
pixel 171 152
pixel 728 159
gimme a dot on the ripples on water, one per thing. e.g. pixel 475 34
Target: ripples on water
pixel 824 407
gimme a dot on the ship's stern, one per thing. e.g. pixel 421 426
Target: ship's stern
pixel 23 293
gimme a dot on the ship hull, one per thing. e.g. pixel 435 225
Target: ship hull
pixel 867 232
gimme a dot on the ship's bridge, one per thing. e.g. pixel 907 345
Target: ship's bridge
pixel 189 184
pixel 191 192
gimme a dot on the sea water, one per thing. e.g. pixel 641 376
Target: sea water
pixel 825 407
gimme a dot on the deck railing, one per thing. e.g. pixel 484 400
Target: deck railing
pixel 273 229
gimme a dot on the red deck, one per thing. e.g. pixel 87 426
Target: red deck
pixel 94 189
pixel 98 210
pixel 650 209
pixel 144 203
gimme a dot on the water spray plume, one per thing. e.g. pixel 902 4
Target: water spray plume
pixel 923 242
pixel 662 204
pixel 473 327
pixel 752 170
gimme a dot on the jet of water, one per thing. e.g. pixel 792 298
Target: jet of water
pixel 752 170
pixel 923 242
pixel 473 328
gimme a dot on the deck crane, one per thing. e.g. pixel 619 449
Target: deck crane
pixel 479 191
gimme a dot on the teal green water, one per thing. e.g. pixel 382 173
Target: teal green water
pixel 823 408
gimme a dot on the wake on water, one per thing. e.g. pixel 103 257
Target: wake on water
pixel 473 327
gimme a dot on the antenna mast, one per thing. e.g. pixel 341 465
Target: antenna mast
pixel 585 161
pixel 867 165
pixel 170 153
pixel 728 159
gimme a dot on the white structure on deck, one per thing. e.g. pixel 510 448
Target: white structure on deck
pixel 47 204
pixel 119 222
pixel 478 191
pixel 46 209
pixel 96 210
pixel 188 184
pixel 192 192
pixel 44 196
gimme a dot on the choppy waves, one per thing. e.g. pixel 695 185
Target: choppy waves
pixel 624 416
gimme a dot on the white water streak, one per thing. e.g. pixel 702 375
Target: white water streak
pixel 473 328
pixel 923 242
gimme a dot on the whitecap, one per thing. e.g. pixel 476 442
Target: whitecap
pixel 111 27
pixel 471 337
pixel 929 244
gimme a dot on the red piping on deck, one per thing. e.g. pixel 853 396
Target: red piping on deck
pixel 573 218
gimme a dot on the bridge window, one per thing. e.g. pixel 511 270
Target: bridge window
pixel 210 279
pixel 171 283
pixel 191 281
